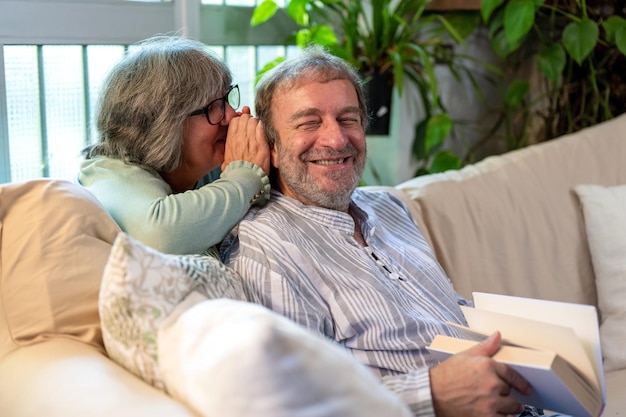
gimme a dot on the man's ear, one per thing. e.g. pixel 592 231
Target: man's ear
pixel 274 156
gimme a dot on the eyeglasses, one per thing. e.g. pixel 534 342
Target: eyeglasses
pixel 215 111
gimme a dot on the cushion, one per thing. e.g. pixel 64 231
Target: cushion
pixel 141 287
pixel 55 240
pixel 231 358
pixel 604 210
pixel 511 223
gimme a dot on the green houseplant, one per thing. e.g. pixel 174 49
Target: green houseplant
pixel 389 42
pixel 578 47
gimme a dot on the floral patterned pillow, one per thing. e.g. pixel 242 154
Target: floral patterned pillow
pixel 141 287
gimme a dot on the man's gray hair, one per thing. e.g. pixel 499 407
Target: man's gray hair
pixel 313 64
pixel 148 96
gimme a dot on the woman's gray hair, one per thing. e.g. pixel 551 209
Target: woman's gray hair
pixel 148 96
pixel 313 64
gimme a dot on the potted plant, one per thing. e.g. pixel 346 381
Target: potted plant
pixel 579 48
pixel 388 41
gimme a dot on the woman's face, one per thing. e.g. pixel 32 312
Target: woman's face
pixel 204 143
pixel 203 149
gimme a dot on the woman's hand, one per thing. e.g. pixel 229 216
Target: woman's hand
pixel 246 141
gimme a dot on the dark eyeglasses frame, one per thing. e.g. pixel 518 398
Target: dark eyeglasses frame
pixel 224 100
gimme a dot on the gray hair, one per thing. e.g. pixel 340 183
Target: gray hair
pixel 314 63
pixel 148 96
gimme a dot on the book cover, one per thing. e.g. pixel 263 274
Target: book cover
pixel 554 345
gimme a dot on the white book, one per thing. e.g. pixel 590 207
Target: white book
pixel 554 345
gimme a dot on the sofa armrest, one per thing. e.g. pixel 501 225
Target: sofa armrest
pixel 65 378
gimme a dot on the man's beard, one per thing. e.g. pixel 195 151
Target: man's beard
pixel 306 188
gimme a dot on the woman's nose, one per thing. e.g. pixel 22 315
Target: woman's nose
pixel 229 113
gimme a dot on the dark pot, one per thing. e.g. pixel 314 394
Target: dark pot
pixel 378 92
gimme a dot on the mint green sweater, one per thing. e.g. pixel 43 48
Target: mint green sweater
pixel 146 208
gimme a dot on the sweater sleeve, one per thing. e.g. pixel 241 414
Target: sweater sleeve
pixel 143 204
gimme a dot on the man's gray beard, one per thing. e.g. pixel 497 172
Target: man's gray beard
pixel 312 195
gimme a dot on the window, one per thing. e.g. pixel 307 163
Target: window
pixel 52 79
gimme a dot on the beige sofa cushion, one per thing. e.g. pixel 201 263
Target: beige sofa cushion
pixel 604 209
pixel 67 378
pixel 55 239
pixel 512 224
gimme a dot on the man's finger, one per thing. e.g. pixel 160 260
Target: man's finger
pixel 515 380
pixel 487 347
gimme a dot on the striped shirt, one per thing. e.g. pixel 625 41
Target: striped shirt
pixel 384 302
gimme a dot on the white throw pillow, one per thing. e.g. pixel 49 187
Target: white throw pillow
pixel 141 287
pixel 181 323
pixel 230 358
pixel 604 210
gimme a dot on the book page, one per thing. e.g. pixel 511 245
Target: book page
pixel 556 386
pixel 581 318
pixel 535 334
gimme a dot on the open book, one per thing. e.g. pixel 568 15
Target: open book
pixel 554 345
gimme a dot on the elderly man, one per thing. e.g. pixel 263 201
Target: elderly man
pixel 351 264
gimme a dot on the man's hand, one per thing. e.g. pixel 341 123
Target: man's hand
pixel 246 141
pixel 472 384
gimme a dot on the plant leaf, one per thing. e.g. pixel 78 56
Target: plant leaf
pixel 515 93
pixel 579 39
pixel 487 7
pixel 263 12
pixel 497 23
pixel 323 35
pixel 551 62
pixel 268 67
pixel 519 18
pixel 429 70
pixel 303 38
pixel 419 140
pixel 438 128
pixel 459 25
pixel 502 47
pixel 620 40
pixel 612 25
pixel 444 161
pixel 297 9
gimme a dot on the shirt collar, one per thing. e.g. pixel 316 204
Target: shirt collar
pixel 324 217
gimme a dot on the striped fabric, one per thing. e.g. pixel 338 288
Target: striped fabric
pixel 384 302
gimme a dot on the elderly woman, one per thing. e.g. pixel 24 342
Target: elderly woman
pixel 167 121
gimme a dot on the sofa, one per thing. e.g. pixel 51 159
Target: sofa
pixel 517 224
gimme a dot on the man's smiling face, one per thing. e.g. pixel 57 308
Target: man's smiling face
pixel 321 150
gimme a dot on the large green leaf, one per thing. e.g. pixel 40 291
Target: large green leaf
pixel 438 128
pixel 501 45
pixel 612 25
pixel 579 39
pixel 323 35
pixel 551 62
pixel 303 38
pixel 487 7
pixel 620 40
pixel 496 24
pixel 519 18
pixel 263 12
pixel 444 161
pixel 298 11
pixel 515 94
